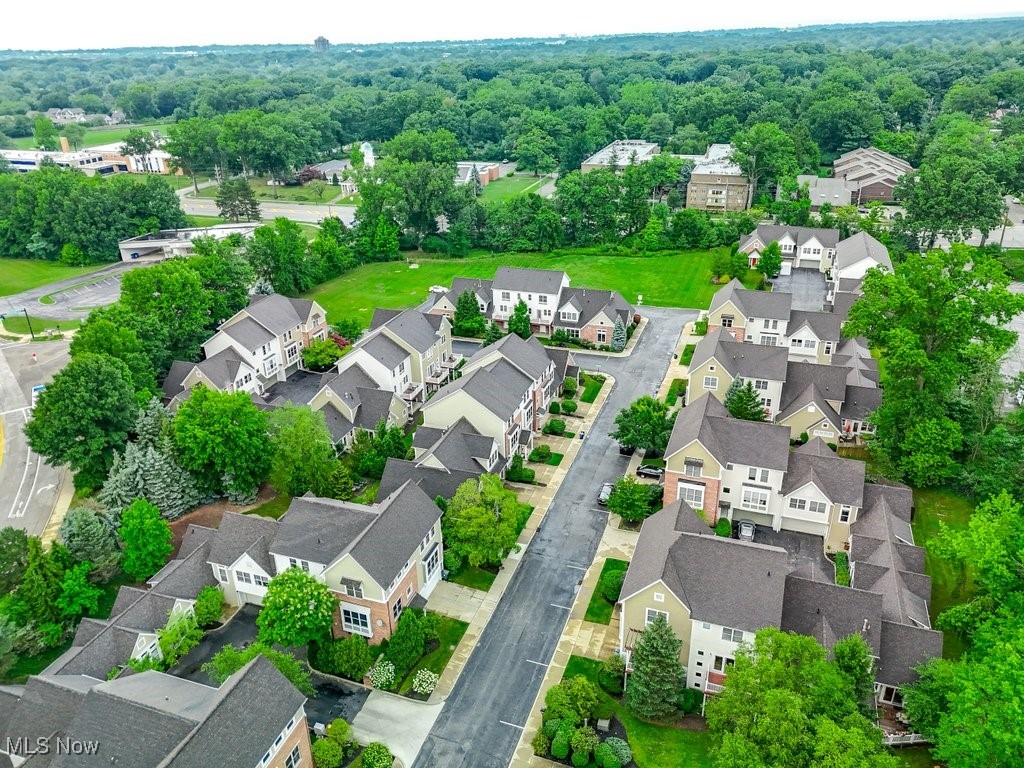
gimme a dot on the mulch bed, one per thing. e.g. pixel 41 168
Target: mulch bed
pixel 209 515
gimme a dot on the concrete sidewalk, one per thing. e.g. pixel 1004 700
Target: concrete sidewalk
pixel 477 607
pixel 401 723
pixel 676 369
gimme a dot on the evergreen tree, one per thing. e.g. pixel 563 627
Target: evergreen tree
pixel 492 333
pixel 478 187
pixel 87 536
pixel 468 321
pixel 151 423
pixel 519 323
pixel 169 485
pixel 237 201
pixel 341 483
pixel 41 584
pixel 653 688
pixel 126 481
pixel 619 336
pixel 743 402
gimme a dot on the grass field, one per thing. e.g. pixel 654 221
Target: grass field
pixel 449 633
pixel 950 584
pixel 96 136
pixel 205 221
pixel 18 324
pixel 17 275
pixel 273 508
pixel 672 279
pixel 264 191
pixel 654 746
pixel 509 186
pixel 599 610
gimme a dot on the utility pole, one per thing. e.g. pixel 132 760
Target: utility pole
pixel 29 321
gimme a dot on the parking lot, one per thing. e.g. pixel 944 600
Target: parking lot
pixel 807 287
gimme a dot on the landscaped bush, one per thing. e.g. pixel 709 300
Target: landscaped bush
pixel 425 682
pixel 349 657
pixel 605 758
pixel 621 749
pixel 541 453
pixel 610 585
pixel 569 407
pixel 327 753
pixel 687 355
pixel 551 726
pixel 583 743
pixel 612 673
pixel 517 473
pixel 689 700
pixel 208 607
pixel 340 732
pixel 554 427
pixel 376 755
pixel 804 438
pixel 554 407
pixel 700 328
pixel 723 528
pixel 541 744
pixel 569 387
pixel 560 337
pixel 382 676
pixel 407 643
pixel 833 446
pixel 560 744
pixel 842 569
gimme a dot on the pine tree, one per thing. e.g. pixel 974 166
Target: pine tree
pixel 468 321
pixel 653 688
pixel 126 481
pixel 151 423
pixel 341 483
pixel 478 186
pixel 619 336
pixel 743 402
pixel 519 323
pixel 169 485
pixel 42 584
pixel 87 536
pixel 492 333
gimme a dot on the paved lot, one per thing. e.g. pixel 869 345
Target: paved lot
pixel 804 552
pixel 299 389
pixel 72 298
pixel 807 287
pixel 240 631
pixel 313 214
pixel 486 711
pixel 28 486
pixel 334 700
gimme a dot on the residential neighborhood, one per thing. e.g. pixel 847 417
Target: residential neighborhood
pixel 589 396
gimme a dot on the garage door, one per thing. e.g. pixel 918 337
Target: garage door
pixel 759 518
pixel 804 526
pixel 787 267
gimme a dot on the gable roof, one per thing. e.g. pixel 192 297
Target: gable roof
pixel 812 383
pixel 414 328
pixel 432 481
pixel 590 302
pixel 173 383
pixel 860 402
pixel 498 387
pixel 750 361
pixel 222 369
pixel 528 280
pixel 753 443
pixel 825 325
pixel 460 447
pixel 868 165
pixel 45 706
pixel 828 612
pixel 903 648
pixel 385 351
pixel 861 246
pixel 841 480
pixel 240 534
pixel 657 534
pixel 482 289
pixel 278 313
pixel 770 233
pixel 528 355
pixel 247 332
pixel 768 304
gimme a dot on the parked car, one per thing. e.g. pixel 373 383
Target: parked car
pixel 745 530
pixel 646 470
pixel 606 491
pixel 627 450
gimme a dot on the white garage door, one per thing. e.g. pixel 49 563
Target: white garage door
pixel 804 526
pixel 787 267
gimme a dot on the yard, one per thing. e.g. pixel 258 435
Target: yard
pixel 273 508
pixel 297 194
pixel 591 387
pixel 599 610
pixel 950 585
pixel 17 275
pixel 671 279
pixel 474 577
pixel 449 633
pixel 96 136
pixel 510 186
pixel 653 745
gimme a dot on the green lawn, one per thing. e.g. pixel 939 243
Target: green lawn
pixel 554 459
pixel 509 186
pixel 18 324
pixel 96 136
pixel 600 610
pixel 205 221
pixel 264 191
pixel 368 494
pixel 671 279
pixel 591 387
pixel 273 508
pixel 183 181
pixel 688 351
pixel 17 275
pixel 474 577
pixel 654 746
pixel 950 584
pixel 450 632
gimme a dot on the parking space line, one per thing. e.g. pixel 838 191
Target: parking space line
pixel 563 607
pixel 538 663
pixel 513 725
pixel 576 567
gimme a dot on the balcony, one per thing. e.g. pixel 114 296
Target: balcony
pixel 411 392
pixel 452 361
pixel 437 378
pixel 713 688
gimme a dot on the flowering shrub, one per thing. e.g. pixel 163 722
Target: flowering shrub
pixel 382 675
pixel 425 681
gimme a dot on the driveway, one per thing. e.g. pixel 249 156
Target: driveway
pixel 72 298
pixel 333 700
pixel 804 552
pixel 241 631
pixel 401 723
pixel 807 287
pixel 483 717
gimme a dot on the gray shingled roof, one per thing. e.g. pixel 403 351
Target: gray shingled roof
pixel 337 423
pixel 904 648
pixel 564 362
pixel 239 534
pixel 374 405
pixel 351 379
pixel 764 304
pixel 769 233
pixel 173 382
pixel 590 302
pixel 824 324
pixel 222 368
pixel 528 355
pixel 841 304
pixel 749 361
pixel 46 705
pixel 249 333
pixel 382 349
pixel 841 480
pixel 460 447
pixel 432 481
pixel 829 612
pixel 381 316
pixel 185 577
pixel 860 402
pixel 499 388
pixel 812 383
pixel 528 280
pixel 278 313
pixel 318 530
pixel 752 443
pixel 413 327
pixel 482 289
pixel 861 246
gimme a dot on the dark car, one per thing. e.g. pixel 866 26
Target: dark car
pixel 627 450
pixel 646 470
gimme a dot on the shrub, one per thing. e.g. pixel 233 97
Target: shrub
pixel 551 726
pixel 611 674
pixel 425 681
pixel 833 446
pixel 541 744
pixel 723 527
pixel 842 569
pixel 569 386
pixel 580 759
pixel 569 407
pixel 376 755
pixel 340 732
pixel 610 585
pixel 430 623
pixel 700 328
pixel 605 758
pixel 541 453
pixel 554 407
pixel 583 743
pixel 349 657
pixel 208 606
pixel 554 427
pixel 676 391
pixel 327 753
pixel 803 438
pixel 517 473
pixel 560 337
pixel 407 644
pixel 560 744
pixel 382 676
pixel 620 749
pixel 689 700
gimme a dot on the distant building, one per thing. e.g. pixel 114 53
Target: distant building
pixel 488 172
pixel 168 243
pixel 157 161
pixel 66 115
pixel 835 192
pixel 89 162
pixel 872 172
pixel 717 183
pixel 620 154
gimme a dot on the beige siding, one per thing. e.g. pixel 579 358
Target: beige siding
pixel 696 386
pixel 348 568
pixel 805 421
pixel 715 318
pixel 442 413
pixel 694 451
pixel 634 615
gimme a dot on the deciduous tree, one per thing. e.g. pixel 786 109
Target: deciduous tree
pixel 519 323
pixel 302 451
pixel 230 659
pixel 297 610
pixel 770 263
pixel 644 424
pixel 146 538
pixel 481 523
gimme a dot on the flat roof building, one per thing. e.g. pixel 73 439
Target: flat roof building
pixel 168 243
pixel 89 162
pixel 621 153
pixel 716 182
pixel 835 192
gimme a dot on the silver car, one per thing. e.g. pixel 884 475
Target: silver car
pixel 745 530
pixel 606 491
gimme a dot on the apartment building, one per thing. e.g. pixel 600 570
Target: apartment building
pixel 621 153
pixel 716 182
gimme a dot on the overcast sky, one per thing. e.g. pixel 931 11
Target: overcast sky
pixel 63 24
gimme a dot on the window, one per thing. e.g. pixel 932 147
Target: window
pixel 433 561
pixel 766 402
pixel 692 468
pixel 722 663
pixel 771 324
pixel 261 581
pixel 734 635
pixel 727 321
pixel 652 614
pixel 292 352
pixel 352 588
pixel 757 475
pixel 542 299
pixel 844 513
pixel 293 563
pixel 818 507
pixel 294 758
pixel 761 384
pixel 704 625
pixel 798 504
pixel 222 573
pixel 243 577
pixel 396 609
pixel 755 499
pixel 506 296
pixel 353 620
pixel 828 347
pixel 692 494
pixel 659 597
pixel 602 336
pixel 569 316
pixel 574 333
pixel 769 341
pixel 710 382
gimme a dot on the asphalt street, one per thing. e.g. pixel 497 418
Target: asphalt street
pixel 201 206
pixel 483 717
pixel 29 485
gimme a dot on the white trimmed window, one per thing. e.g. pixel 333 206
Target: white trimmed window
pixel 710 382
pixel 294 758
pixel 798 504
pixel 602 335
pixel 761 384
pixel 260 581
pixel 733 635
pixel 243 577
pixel 356 621
pixel 691 469
pixel 727 321
pixel 659 597
pixel 757 475
pixel 294 563
pixel 222 573
pixel 652 614
pixel 755 499
pixel 845 511
pixel 722 663
pixel 818 507
pixel 396 609
pixel 692 494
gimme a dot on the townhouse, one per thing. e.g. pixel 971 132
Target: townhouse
pixel 872 173
pixel 352 400
pixel 377 559
pixel 802 247
pixel 583 313
pixel 719 360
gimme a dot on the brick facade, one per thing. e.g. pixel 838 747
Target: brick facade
pixel 737 332
pixel 712 491
pixel 298 737
pixel 383 612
